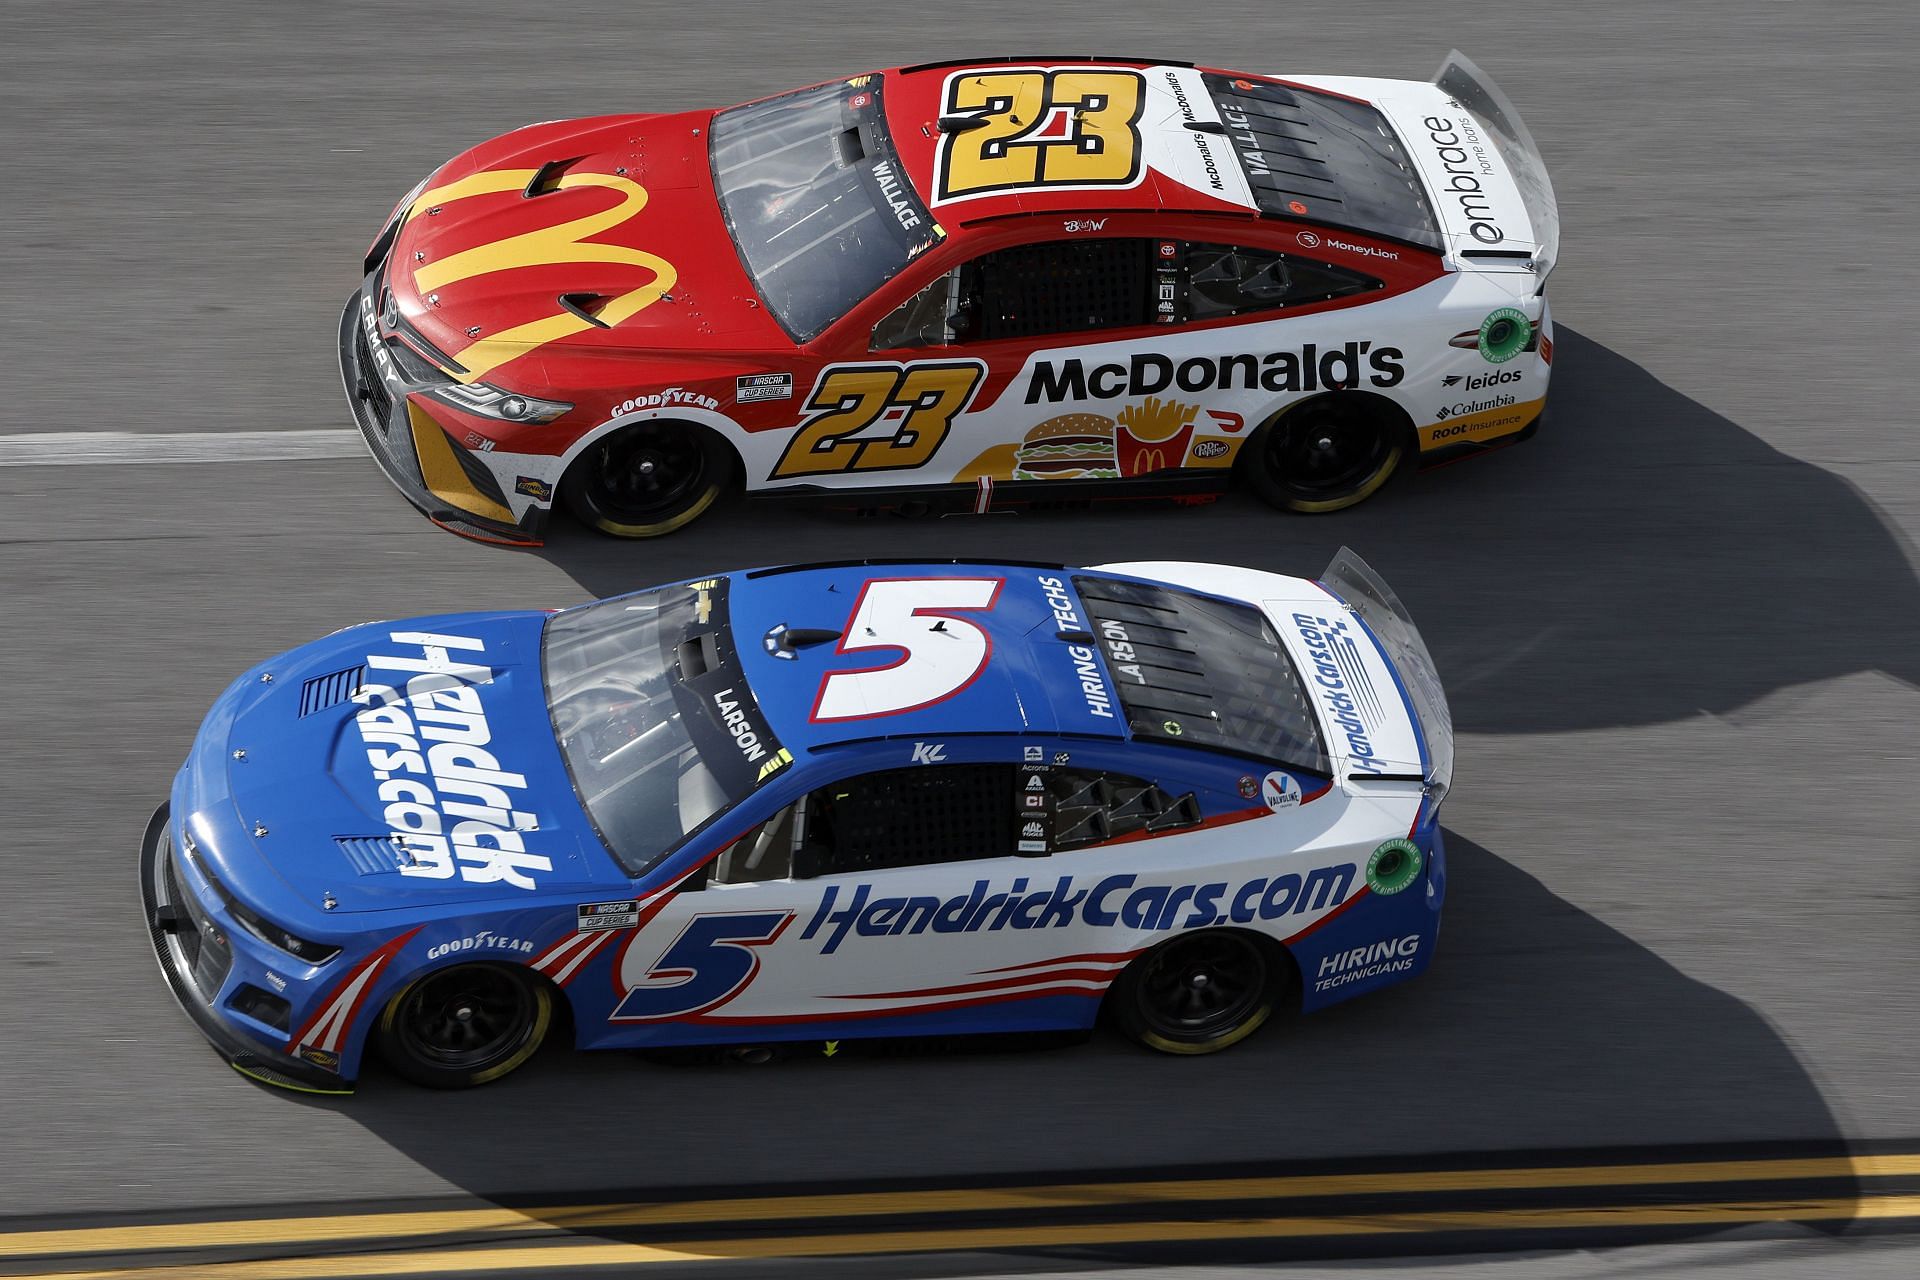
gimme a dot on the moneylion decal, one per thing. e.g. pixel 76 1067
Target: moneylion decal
pixel 566 242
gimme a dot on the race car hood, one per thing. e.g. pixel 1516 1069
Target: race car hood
pixel 573 238
pixel 407 764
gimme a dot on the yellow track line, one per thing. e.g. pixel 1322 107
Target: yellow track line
pixel 556 1255
pixel 375 1227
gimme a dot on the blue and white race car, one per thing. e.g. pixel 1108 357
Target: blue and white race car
pixel 810 804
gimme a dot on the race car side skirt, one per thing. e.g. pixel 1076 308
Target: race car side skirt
pixel 1007 495
pixel 1447 455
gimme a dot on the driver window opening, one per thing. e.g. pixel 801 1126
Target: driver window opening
pixel 1029 290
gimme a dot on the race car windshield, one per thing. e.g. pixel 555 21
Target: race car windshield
pixel 816 201
pixel 1203 672
pixel 658 728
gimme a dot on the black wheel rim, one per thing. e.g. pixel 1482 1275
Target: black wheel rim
pixel 466 1019
pixel 1200 988
pixel 1328 452
pixel 647 475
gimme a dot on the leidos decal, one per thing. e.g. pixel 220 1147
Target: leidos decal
pixel 1308 369
pixel 568 242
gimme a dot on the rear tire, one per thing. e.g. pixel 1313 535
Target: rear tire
pixel 1199 992
pixel 1327 453
pixel 465 1025
pixel 647 480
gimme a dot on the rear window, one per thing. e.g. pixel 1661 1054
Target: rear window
pixel 1204 673
pixel 1312 155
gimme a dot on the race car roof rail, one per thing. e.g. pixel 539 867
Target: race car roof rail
pixel 1010 59
pixel 877 561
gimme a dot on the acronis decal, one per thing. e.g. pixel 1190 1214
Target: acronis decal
pixel 1114 901
pixel 446 796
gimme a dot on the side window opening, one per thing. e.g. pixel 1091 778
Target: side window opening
pixel 1229 280
pixel 1030 290
pixel 907 817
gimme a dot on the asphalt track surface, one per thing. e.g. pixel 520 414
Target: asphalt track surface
pixel 1679 628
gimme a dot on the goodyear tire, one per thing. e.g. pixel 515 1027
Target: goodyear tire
pixel 1326 453
pixel 464 1025
pixel 647 480
pixel 1199 992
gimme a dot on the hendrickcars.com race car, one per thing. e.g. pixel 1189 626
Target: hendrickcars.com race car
pixel 810 804
pixel 966 285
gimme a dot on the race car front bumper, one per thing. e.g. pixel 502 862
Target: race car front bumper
pixel 432 471
pixel 195 956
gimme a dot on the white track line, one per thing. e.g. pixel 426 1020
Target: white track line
pixel 68 448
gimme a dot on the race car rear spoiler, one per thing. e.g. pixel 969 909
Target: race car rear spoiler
pixel 1349 577
pixel 1476 92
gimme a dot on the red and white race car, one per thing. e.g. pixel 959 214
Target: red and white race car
pixel 972 284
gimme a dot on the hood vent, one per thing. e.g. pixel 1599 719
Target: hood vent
pixel 587 306
pixel 373 855
pixel 331 690
pixel 546 179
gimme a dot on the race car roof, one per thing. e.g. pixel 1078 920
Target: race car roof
pixel 842 653
pixel 983 139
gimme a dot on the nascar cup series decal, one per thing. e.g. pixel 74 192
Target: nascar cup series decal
pixel 447 800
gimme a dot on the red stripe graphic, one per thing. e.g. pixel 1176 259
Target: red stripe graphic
pixel 1099 977
pixel 1091 957
pixel 843 1015
pixel 343 1003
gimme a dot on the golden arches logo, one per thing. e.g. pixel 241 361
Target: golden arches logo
pixel 567 242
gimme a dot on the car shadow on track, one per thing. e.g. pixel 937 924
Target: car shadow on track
pixel 1539 1028
pixel 1641 560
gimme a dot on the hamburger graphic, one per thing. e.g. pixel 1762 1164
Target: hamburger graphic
pixel 1073 446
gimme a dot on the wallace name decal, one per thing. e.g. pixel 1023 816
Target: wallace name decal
pixel 447 799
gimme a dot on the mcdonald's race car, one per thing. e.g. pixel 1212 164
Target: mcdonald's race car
pixel 968 285
pixel 815 804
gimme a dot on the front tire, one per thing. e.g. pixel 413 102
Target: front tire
pixel 465 1025
pixel 1198 993
pixel 647 480
pixel 1327 453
